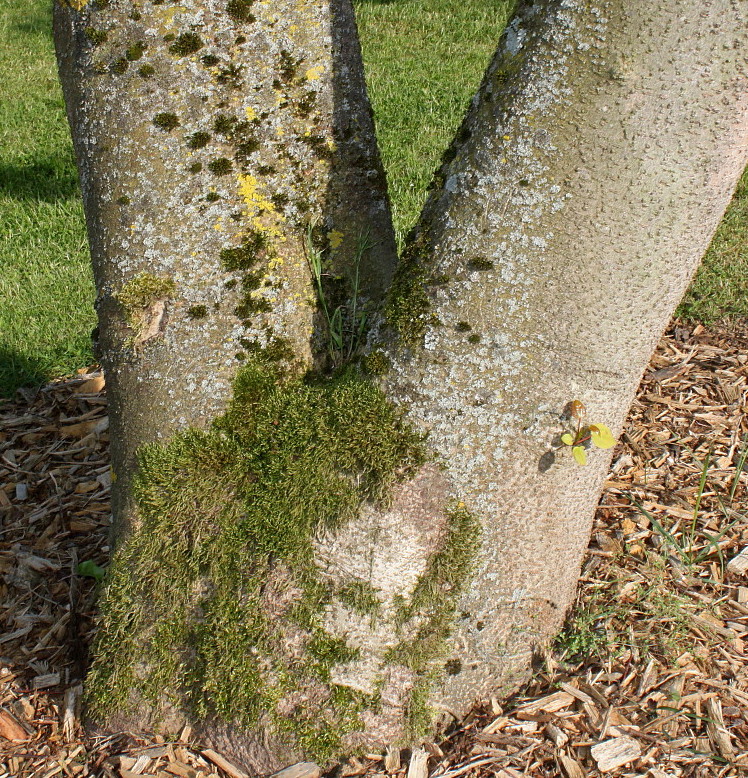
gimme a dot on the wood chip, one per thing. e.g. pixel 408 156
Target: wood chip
pixel 183 770
pixel 224 764
pixel 715 726
pixel 92 386
pixel 299 770
pixel 392 759
pixel 571 767
pixel 738 565
pixel 558 736
pixel 615 752
pixel 418 767
pixel 550 703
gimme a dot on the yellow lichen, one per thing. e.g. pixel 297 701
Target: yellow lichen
pixel 335 237
pixel 261 211
pixel 314 73
pixel 251 113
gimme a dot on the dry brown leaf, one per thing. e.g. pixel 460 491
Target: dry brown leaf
pixel 10 729
pixel 83 428
pixel 92 386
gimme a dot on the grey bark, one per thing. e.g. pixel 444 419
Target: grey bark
pixel 295 80
pixel 590 173
pixel 592 170
pixel 588 178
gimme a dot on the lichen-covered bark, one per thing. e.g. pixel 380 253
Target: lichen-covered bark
pixel 212 136
pixel 573 208
pixel 360 576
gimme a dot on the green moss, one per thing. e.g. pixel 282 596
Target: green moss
pixel 407 306
pixel 230 75
pixel 361 597
pixel 246 145
pixel 252 250
pixel 433 605
pixel 146 71
pixel 480 263
pixel 376 363
pixel 275 350
pixel 288 66
pixel 166 121
pixel 140 293
pixel 227 516
pixel 474 338
pixel 305 105
pixel 279 200
pixel 463 326
pixel 319 144
pixel 135 51
pixel 224 124
pixel 240 10
pixel 186 43
pixel 144 290
pixel 211 197
pixel 195 167
pixel 220 166
pixel 197 311
pixel 249 306
pixel 209 60
pixel 419 717
pixel 123 200
pixel 97 37
pixel 119 66
pixel 198 140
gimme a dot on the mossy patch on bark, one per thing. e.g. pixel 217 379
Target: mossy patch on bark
pixel 214 601
pixel 431 610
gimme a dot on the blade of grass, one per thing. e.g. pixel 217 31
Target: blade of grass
pixel 739 468
pixel 699 495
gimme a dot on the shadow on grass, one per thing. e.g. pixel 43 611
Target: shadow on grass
pixel 47 180
pixel 18 370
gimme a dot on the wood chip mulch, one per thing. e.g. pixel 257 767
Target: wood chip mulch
pixel 649 678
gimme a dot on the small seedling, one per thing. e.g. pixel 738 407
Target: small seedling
pixel 90 569
pixel 585 434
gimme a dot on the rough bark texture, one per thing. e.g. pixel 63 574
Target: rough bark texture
pixel 571 211
pixel 585 185
pixel 202 128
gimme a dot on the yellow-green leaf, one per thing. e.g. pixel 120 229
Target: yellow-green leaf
pixel 567 439
pixel 601 436
pixel 580 455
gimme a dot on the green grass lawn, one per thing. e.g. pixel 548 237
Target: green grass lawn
pixel 46 291
pixel 423 58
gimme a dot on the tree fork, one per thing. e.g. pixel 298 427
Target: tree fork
pixel 564 225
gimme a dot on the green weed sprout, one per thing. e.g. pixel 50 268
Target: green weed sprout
pixel 346 324
pixel 585 434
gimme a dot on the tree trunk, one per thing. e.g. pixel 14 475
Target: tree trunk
pixel 354 536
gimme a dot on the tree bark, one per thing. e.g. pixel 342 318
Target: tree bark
pixel 202 129
pixel 569 215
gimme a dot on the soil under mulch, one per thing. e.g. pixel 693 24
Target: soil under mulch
pixel 650 677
